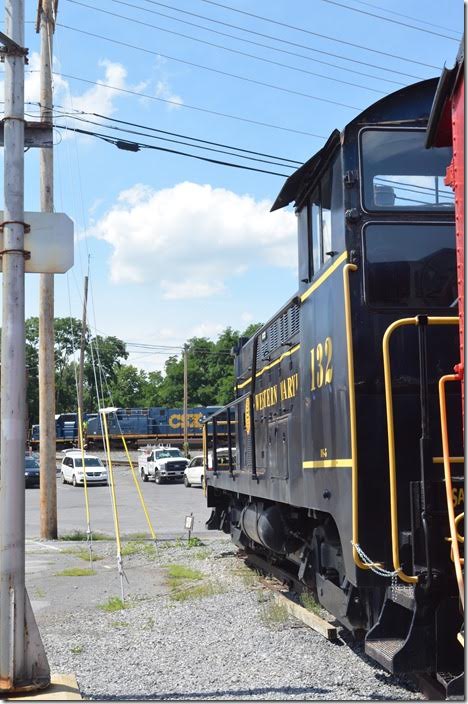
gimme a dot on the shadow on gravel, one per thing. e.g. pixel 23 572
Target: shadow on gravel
pixel 217 693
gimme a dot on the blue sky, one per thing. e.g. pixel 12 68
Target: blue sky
pixel 180 247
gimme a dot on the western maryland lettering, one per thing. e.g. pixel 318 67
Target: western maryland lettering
pixel 285 389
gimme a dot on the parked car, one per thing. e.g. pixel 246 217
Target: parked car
pixel 194 472
pixel 31 471
pixel 161 463
pixel 72 469
pixel 194 475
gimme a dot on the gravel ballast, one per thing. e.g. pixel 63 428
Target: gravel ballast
pixel 227 640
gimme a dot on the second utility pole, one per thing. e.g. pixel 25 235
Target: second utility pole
pixel 48 483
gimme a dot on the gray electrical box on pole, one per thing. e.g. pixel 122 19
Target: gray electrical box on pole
pixel 23 662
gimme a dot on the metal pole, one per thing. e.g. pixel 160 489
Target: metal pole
pixel 48 485
pixel 186 447
pixel 23 664
pixel 82 351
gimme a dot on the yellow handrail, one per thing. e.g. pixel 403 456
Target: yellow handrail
pixel 352 422
pixel 429 320
pixel 453 522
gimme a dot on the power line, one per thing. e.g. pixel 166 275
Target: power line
pixel 175 141
pixel 225 48
pixel 408 17
pixel 128 145
pixel 282 89
pixel 387 19
pixel 187 144
pixel 268 36
pixel 184 105
pixel 308 31
pixel 277 39
pixel 269 46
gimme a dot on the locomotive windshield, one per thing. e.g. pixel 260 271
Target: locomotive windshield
pixel 399 173
pixel 410 265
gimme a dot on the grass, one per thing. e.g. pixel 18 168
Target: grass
pixel 194 542
pixel 248 575
pixel 198 591
pixel 309 603
pixel 39 593
pixel 113 603
pixel 119 624
pixel 181 572
pixel 81 535
pixel 201 554
pixel 75 572
pixel 135 547
pixel 76 649
pixel 83 554
pixel 273 614
pixel 149 624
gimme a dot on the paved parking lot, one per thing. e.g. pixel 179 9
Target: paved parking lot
pixel 168 504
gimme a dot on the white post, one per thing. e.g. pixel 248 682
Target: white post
pixel 23 664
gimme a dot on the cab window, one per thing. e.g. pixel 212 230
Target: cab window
pixel 399 173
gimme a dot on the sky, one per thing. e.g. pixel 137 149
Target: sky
pixel 179 247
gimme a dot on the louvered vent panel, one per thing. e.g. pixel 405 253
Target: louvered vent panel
pixel 279 333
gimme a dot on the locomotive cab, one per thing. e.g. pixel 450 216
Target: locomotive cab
pixel 338 476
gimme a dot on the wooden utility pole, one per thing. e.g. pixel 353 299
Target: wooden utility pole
pixel 46 13
pixel 186 445
pixel 23 663
pixel 82 351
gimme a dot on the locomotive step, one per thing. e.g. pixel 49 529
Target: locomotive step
pixel 384 650
pixel 402 595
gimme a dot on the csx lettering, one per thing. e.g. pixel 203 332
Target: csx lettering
pixel 177 420
pixel 321 368
pixel 458 497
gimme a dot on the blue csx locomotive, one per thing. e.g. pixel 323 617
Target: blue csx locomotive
pixel 336 480
pixel 135 424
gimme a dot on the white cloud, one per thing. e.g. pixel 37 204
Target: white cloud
pixel 209 330
pixel 163 90
pixel 193 238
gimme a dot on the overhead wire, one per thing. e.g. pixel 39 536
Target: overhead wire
pixel 408 17
pixel 307 31
pixel 229 49
pixel 388 19
pixel 187 144
pixel 211 69
pixel 348 59
pixel 185 105
pixel 121 144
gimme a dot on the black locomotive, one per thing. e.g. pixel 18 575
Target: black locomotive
pixel 336 478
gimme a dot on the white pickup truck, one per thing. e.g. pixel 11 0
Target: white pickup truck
pixel 161 463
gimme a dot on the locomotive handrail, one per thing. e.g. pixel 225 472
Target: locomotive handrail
pixel 352 423
pixel 417 320
pixel 453 522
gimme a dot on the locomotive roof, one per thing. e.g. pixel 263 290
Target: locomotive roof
pixel 439 127
pixel 409 105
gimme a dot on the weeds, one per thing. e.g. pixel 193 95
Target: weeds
pixel 201 554
pixel 75 572
pixel 119 624
pixel 198 591
pixel 139 548
pixel 81 535
pixel 39 593
pixel 273 614
pixel 114 603
pixel 194 543
pixel 83 554
pixel 149 624
pixel 181 572
pixel 76 649
pixel 309 603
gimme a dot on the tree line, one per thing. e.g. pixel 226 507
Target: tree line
pixel 210 371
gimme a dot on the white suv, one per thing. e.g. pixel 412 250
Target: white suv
pixel 72 469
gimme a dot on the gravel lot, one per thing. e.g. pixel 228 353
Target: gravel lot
pixel 218 637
